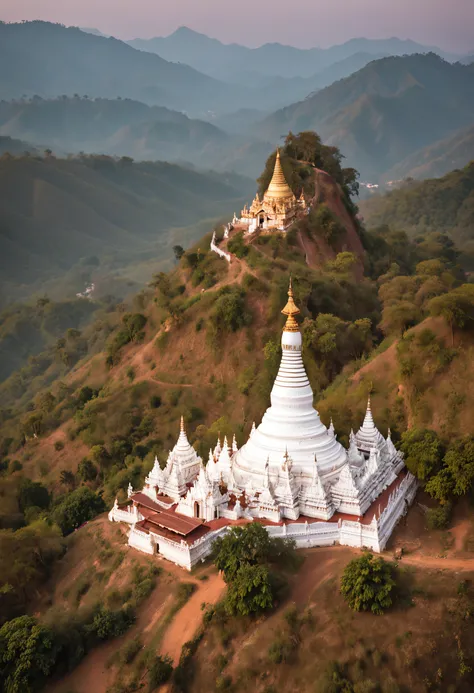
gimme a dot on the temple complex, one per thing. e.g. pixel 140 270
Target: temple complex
pixel 292 475
pixel 278 208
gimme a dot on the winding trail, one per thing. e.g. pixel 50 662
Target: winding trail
pixel 188 619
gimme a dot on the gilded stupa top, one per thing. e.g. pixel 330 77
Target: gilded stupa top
pixel 278 188
pixel 291 309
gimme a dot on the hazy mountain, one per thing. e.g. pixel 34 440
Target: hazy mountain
pixel 453 152
pixel 110 126
pixel 235 62
pixel 14 146
pixel 130 128
pixel 91 30
pixel 54 211
pixel 384 112
pixel 51 60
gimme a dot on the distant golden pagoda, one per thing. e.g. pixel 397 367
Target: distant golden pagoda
pixel 279 206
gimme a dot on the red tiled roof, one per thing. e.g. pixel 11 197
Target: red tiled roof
pixel 150 526
pixel 146 502
pixel 175 522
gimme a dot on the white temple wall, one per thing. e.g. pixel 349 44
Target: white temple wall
pixel 141 541
pixel 396 508
pixel 130 516
pixel 306 535
pixel 222 253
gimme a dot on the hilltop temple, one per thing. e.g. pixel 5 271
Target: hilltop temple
pixel 278 208
pixel 292 475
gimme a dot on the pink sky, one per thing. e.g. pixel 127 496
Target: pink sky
pixel 446 23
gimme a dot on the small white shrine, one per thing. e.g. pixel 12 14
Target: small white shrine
pixel 292 474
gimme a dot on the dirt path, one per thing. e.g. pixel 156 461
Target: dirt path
pixel 455 564
pixel 188 619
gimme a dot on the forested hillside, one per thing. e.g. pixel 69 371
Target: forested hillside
pixel 440 205
pixel 55 212
pixel 85 416
pixel 384 112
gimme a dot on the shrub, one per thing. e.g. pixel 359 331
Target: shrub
pixel 439 517
pixel 155 401
pixel 59 445
pixel 160 671
pixel 108 624
pixel 130 650
pixel 367 584
pixel 281 650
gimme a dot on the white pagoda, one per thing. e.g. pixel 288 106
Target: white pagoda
pixel 291 469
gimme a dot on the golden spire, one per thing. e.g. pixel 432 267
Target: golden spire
pixel 291 309
pixel 182 424
pixel 278 188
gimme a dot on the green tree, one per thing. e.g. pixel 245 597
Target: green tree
pixel 343 263
pixel 32 494
pixel 28 653
pixel 77 507
pixel 249 591
pixel 100 455
pixel 67 478
pixel 423 452
pixel 248 545
pixel 441 485
pixel 456 307
pixel 134 324
pixel 367 584
pixel 459 463
pixel 398 316
pixel 86 470
pixel 26 557
pixel 178 252
pixel 45 402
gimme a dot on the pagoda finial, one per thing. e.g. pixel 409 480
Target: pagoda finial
pixel 181 426
pixel 291 309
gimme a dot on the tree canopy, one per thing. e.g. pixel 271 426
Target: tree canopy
pixel 367 584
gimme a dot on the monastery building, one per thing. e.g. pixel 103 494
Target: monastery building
pixel 292 474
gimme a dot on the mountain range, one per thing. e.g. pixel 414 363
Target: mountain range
pixel 379 115
pixel 234 62
pixel 50 60
pixel 382 113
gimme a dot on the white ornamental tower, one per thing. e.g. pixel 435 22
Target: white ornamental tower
pixel 291 424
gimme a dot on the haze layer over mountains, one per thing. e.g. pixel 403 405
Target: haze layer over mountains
pixel 190 99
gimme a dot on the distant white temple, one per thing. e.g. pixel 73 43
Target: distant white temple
pixel 292 475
